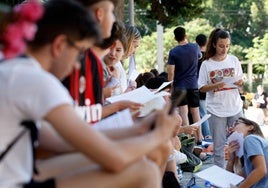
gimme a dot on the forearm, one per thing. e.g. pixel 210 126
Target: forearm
pixel 110 109
pixel 170 76
pixel 171 69
pixel 210 87
pixel 254 177
pixel 123 132
pixel 230 166
pixel 50 140
pixel 133 149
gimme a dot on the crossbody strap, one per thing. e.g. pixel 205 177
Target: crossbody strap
pixel 14 141
pixel 29 126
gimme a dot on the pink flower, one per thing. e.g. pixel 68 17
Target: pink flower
pixel 28 30
pixel 14 48
pixel 13 41
pixel 21 29
pixel 31 10
pixel 12 33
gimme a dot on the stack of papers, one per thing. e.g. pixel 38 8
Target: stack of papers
pixel 150 100
pixel 219 177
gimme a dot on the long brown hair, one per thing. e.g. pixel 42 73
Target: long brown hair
pixel 214 36
pixel 256 130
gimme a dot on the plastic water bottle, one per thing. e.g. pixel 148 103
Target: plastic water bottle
pixel 207 184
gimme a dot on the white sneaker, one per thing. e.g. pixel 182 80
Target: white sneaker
pixel 180 157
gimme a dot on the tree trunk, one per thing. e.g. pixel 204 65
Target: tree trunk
pixel 119 10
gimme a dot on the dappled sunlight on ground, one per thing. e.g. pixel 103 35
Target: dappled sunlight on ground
pixel 258 115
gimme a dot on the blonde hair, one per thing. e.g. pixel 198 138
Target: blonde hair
pixel 132 34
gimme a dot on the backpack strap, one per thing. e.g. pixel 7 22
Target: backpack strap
pixel 14 141
pixel 29 125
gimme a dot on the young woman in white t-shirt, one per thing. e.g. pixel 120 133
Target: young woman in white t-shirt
pixel 111 60
pixel 220 76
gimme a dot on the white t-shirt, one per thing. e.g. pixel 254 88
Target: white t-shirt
pixel 27 93
pixel 123 76
pixel 227 102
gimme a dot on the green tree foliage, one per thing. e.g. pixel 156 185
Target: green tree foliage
pixel 259 16
pixel 244 19
pixel 146 55
pixel 233 16
pixel 168 12
pixel 259 51
pixel 258 54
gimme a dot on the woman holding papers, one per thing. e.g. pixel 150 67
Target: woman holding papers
pixel 223 99
pixel 112 73
pixel 255 149
pixel 133 38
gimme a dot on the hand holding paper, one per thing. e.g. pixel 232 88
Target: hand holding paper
pixel 142 95
pixel 230 81
pixel 239 137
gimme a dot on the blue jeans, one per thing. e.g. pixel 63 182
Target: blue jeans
pixel 203 112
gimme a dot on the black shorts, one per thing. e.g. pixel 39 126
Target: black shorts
pixel 191 99
pixel 50 183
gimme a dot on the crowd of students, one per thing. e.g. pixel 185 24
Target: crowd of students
pixel 54 92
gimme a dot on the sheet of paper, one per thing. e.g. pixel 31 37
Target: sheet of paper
pixel 134 74
pixel 219 177
pixel 139 95
pixel 118 120
pixel 162 94
pixel 204 118
pixel 239 137
pixel 156 103
pixel 149 99
pixel 229 81
pixel 165 84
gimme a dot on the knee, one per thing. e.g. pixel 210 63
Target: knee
pixel 166 148
pixel 150 175
pixel 161 154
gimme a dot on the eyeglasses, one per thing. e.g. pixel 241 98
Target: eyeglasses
pixel 81 51
pixel 236 122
